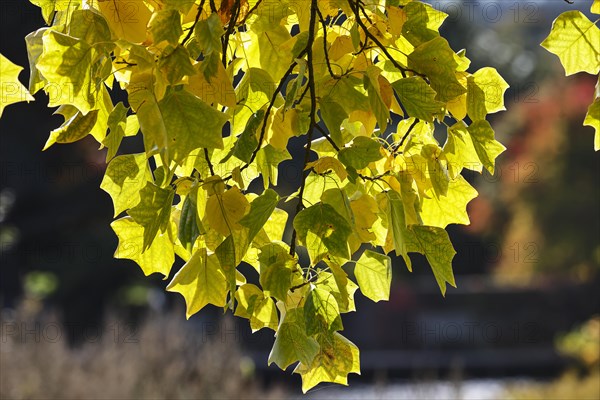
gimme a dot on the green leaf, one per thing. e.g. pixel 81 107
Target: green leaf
pixel 268 160
pixel 165 25
pixel 460 151
pixel 190 123
pixel 11 90
pixel 418 98
pixel 435 245
pixel 373 272
pixel 189 223
pixel 253 304
pixel 292 344
pixel 158 258
pixel 253 92
pixel 333 115
pixel 486 146
pixel 175 63
pixel 378 106
pixel 449 209
pixel 35 47
pixel 201 282
pixel 261 209
pixel 117 123
pixel 67 64
pixel 125 177
pixel 182 5
pixel 592 119
pixel 422 22
pixel 436 60
pixel 208 34
pixel 321 312
pixel 48 7
pixel 247 142
pixel 276 270
pixel 329 227
pixel 337 283
pixel 76 126
pixel 397 225
pixel 267 50
pixel 90 27
pixel 337 357
pixel 361 153
pixel 576 41
pixel 485 93
pixel 153 211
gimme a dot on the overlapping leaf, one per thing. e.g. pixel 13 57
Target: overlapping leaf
pixel 362 92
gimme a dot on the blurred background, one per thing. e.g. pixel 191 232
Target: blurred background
pixel 523 323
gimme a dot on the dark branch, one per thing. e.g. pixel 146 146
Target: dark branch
pixel 210 166
pixel 326 136
pixel 243 21
pixel 312 115
pixel 230 27
pixel 325 50
pixel 191 29
pixel 410 128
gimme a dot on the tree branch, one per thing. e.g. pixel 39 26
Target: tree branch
pixel 356 8
pixel 325 51
pixel 191 30
pixel 326 136
pixel 243 21
pixel 230 27
pixel 313 113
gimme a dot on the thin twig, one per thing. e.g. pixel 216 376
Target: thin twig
pixel 210 166
pixel 230 27
pixel 325 50
pixel 326 136
pixel 243 21
pixel 410 128
pixel 191 29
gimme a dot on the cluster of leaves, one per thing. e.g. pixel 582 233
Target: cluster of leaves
pixel 576 41
pixel 217 89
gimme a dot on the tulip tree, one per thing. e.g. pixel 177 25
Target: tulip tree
pixel 217 89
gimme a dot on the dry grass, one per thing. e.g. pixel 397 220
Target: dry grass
pixel 166 360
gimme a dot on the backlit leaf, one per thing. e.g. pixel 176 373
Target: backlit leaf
pixel 576 41
pixel 374 275
pixel 201 282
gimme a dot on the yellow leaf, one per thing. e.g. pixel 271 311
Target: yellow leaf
pixel 127 19
pixel 364 210
pixel 449 209
pixel 11 90
pixel 284 125
pixel 458 105
pixel 576 41
pixel 593 119
pixel 485 93
pixel 223 211
pixel 159 257
pixel 327 163
pixel 336 359
pixel 217 89
pixel 200 281
pixel 341 46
